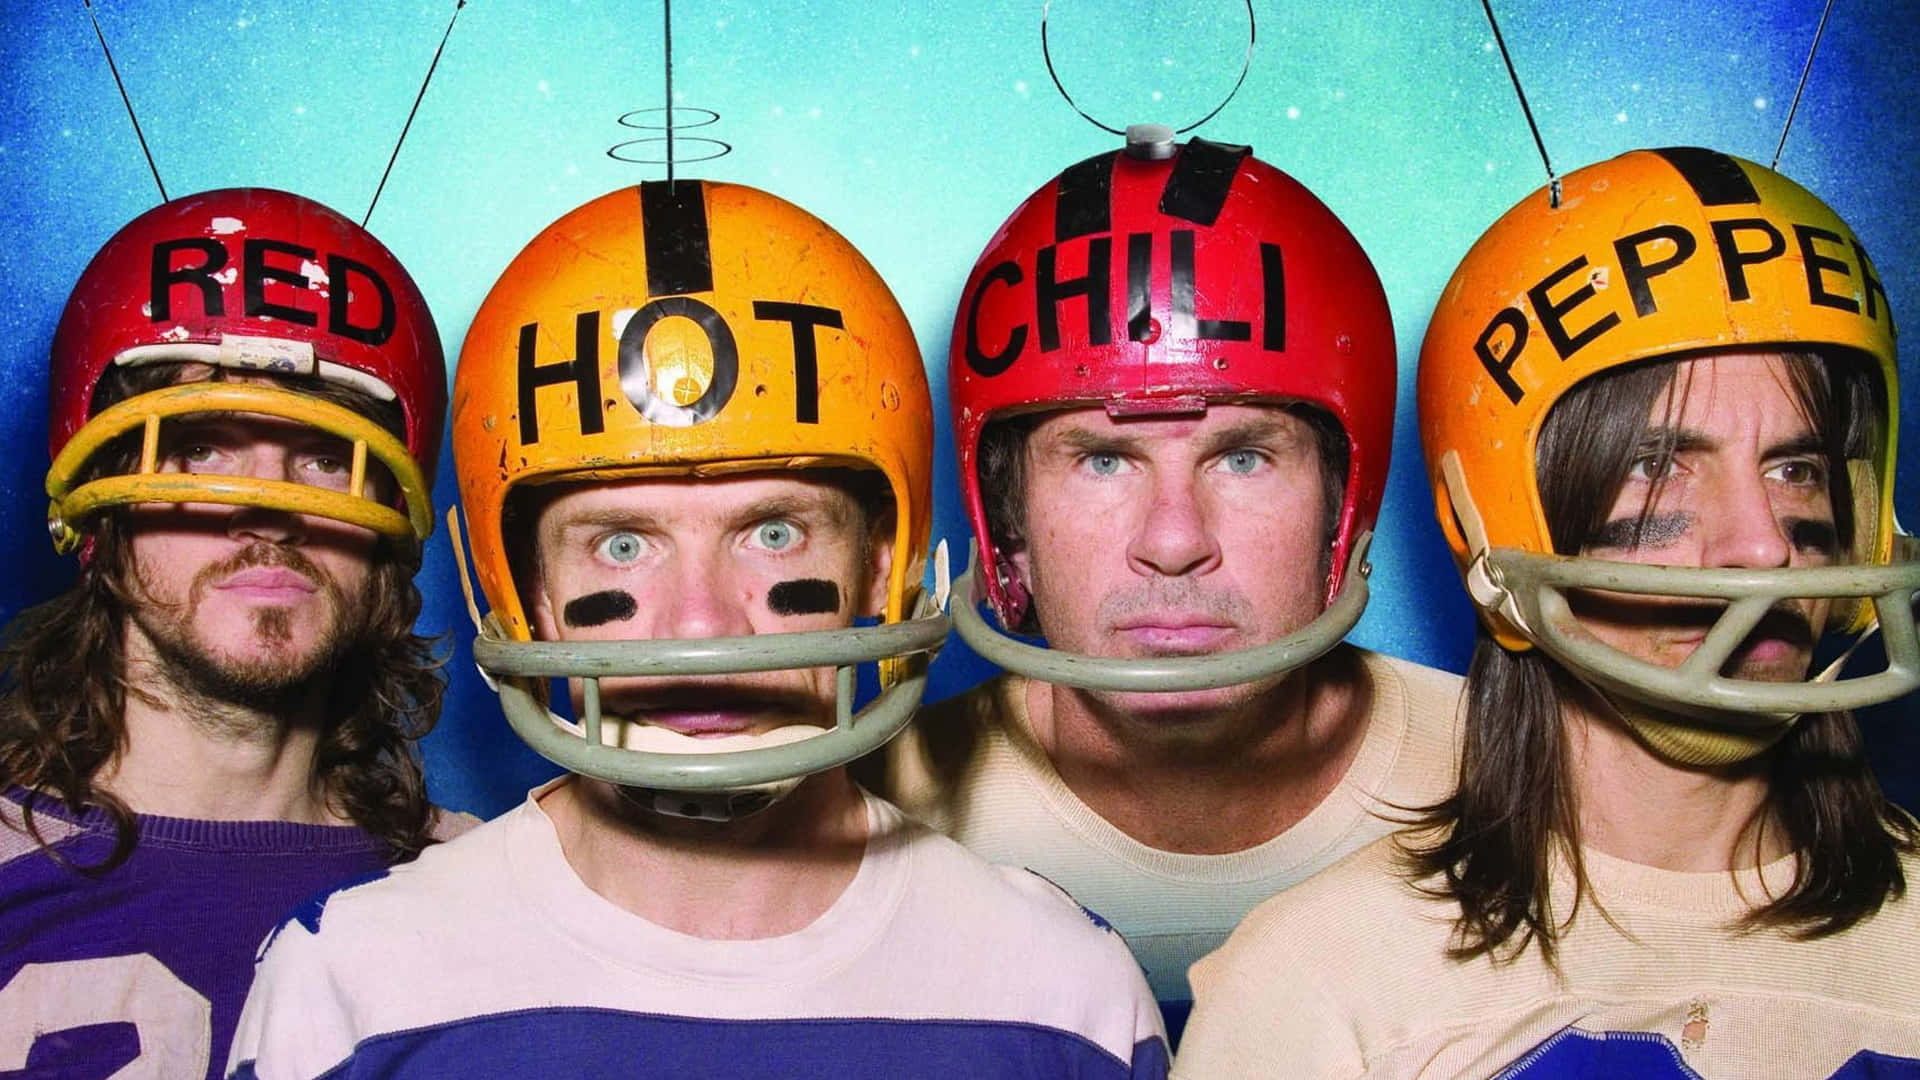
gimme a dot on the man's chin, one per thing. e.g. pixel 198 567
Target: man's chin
pixel 1177 710
pixel 260 674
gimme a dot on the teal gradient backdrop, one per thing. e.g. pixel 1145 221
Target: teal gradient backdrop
pixel 915 129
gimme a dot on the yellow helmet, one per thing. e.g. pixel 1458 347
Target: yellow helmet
pixel 1655 253
pixel 687 328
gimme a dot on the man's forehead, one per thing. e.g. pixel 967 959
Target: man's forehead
pixel 1248 418
pixel 1728 383
pixel 691 498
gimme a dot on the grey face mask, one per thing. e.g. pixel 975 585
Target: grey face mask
pixel 714 780
pixel 1167 673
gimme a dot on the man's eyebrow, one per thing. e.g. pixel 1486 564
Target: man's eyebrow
pixel 1805 443
pixel 1682 440
pixel 603 517
pixel 1088 440
pixel 833 511
pixel 1676 440
pixel 1255 431
pixel 771 507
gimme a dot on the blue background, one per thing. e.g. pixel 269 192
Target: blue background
pixel 915 130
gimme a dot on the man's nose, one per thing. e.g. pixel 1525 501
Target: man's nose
pixel 267 461
pixel 1176 534
pixel 1740 525
pixel 698 598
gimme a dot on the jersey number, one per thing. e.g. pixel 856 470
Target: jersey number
pixel 174 1020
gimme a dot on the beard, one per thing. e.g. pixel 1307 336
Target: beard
pixel 271 677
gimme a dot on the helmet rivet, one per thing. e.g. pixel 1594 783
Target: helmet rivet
pixel 1220 363
pixel 889 396
pixel 1344 343
pixel 1153 332
pixel 1080 370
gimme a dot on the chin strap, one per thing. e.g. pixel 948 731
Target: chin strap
pixel 1482 579
pixel 1691 743
pixel 723 805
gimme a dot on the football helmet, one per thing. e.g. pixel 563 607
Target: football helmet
pixel 250 279
pixel 1655 253
pixel 693 328
pixel 1155 280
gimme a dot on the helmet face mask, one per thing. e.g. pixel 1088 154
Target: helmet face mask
pixel 692 330
pixel 247 280
pixel 1155 284
pixel 1658 255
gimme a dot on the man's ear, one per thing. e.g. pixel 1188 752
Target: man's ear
pixel 1013 553
pixel 539 607
pixel 879 568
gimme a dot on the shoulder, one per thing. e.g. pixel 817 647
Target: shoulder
pixel 1426 703
pixel 407 894
pixel 1426 690
pixel 447 824
pixel 1004 906
pixel 1322 975
pixel 1361 912
pixel 947 743
pixel 1012 947
pixel 51 824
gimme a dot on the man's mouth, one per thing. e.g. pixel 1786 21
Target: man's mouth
pixel 1173 634
pixel 268 583
pixel 710 711
pixel 704 725
pixel 1781 640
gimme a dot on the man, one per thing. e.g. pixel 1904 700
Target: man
pixel 1656 416
pixel 694 444
pixel 217 719
pixel 1172 384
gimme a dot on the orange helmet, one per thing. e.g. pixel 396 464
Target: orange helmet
pixel 1656 253
pixel 683 328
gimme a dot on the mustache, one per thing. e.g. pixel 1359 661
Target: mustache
pixel 1172 595
pixel 258 554
pixel 1783 621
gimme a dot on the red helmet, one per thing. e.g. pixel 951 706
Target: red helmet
pixel 1161 278
pixel 247 278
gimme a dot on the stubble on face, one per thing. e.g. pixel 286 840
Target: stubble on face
pixel 265 671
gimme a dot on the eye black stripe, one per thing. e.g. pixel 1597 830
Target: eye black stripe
pixel 1202 176
pixel 674 219
pixel 1715 177
pixel 1083 203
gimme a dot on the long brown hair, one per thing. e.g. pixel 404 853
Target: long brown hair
pixel 64 686
pixel 1515 811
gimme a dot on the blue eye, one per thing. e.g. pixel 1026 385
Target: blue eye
pixel 775 535
pixel 622 547
pixel 1240 462
pixel 1103 464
